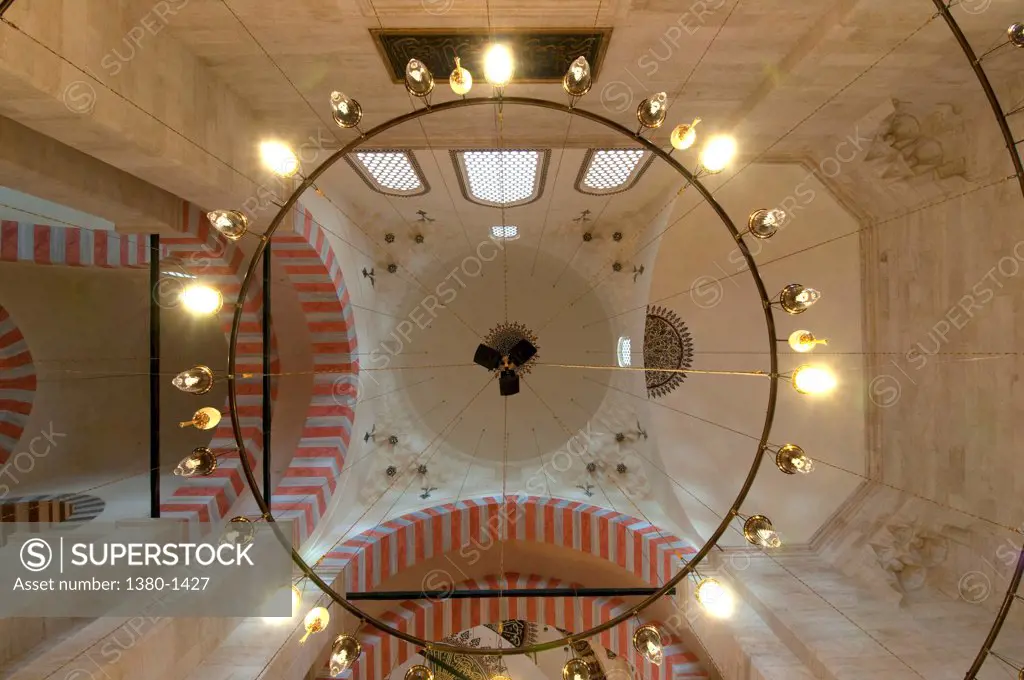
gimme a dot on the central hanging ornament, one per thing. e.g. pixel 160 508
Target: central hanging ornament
pixel 505 336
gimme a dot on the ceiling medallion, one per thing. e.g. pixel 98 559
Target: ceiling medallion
pixel 667 345
pixel 505 336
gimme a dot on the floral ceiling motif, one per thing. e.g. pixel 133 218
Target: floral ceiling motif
pixel 667 345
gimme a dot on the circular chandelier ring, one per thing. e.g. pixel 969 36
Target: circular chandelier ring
pixel 689 566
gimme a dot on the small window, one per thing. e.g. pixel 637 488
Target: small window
pixel 506 233
pixel 625 352
pixel 501 178
pixel 391 172
pixel 610 171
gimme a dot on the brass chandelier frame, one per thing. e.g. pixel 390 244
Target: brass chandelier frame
pixel 690 565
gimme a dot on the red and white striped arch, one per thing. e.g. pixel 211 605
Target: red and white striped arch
pixel 437 619
pixel 473 525
pixel 304 492
pixel 71 246
pixel 17 384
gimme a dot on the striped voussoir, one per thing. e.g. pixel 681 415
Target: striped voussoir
pixel 71 246
pixel 436 619
pixel 305 490
pixel 69 509
pixel 219 263
pixel 17 385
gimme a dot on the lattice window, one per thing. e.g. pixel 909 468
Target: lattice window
pixel 504 178
pixel 625 351
pixel 392 172
pixel 609 171
pixel 505 233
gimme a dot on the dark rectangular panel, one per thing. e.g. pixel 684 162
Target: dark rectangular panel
pixel 540 56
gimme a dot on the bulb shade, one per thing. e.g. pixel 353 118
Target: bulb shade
pixel 576 669
pixel 196 380
pixel 460 80
pixel 804 341
pixel 715 598
pixel 344 652
pixel 684 135
pixel 795 298
pixel 717 153
pixel 647 642
pixel 201 300
pixel 201 462
pixel 418 78
pixel 279 159
pixel 346 112
pixel 813 380
pixel 651 112
pixel 419 672
pixel 764 223
pixel 758 530
pixel 316 620
pixel 577 80
pixel 791 459
pixel 1016 34
pixel 205 418
pixel 231 223
pixel 498 65
pixel 240 531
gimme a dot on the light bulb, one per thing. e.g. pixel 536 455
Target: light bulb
pixel 651 112
pixel 576 669
pixel 715 599
pixel 804 341
pixel 279 159
pixel 1016 34
pixel 796 298
pixel 684 135
pixel 201 300
pixel 498 66
pixel 418 79
pixel 647 642
pixel 577 80
pixel 764 223
pixel 196 380
pixel 316 620
pixel 791 459
pixel 419 672
pixel 201 462
pixel 460 80
pixel 344 652
pixel 758 530
pixel 813 380
pixel 240 531
pixel 717 153
pixel 346 112
pixel 231 223
pixel 205 418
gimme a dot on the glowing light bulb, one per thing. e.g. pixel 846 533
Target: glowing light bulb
pixel 813 380
pixel 201 300
pixel 201 462
pixel 577 80
pixel 764 223
pixel 346 112
pixel 576 669
pixel 316 620
pixel 717 153
pixel 804 341
pixel 196 380
pixel 791 459
pixel 715 599
pixel 460 80
pixel 652 111
pixel 231 223
pixel 418 79
pixel 758 530
pixel 647 642
pixel 684 135
pixel 205 418
pixel 796 298
pixel 296 599
pixel 498 66
pixel 344 652
pixel 279 159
